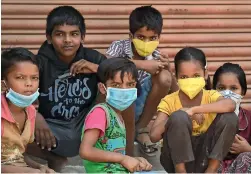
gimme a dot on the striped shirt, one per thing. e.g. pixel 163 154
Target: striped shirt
pixel 123 48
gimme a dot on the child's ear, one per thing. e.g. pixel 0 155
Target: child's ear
pixel 101 88
pixel 206 74
pixel 82 39
pixel 130 36
pixel 159 36
pixel 48 37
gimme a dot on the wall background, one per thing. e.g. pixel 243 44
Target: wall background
pixel 221 28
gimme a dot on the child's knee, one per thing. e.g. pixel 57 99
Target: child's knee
pixel 163 79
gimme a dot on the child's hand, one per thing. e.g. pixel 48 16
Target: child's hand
pixel 240 145
pixel 43 134
pixel 130 163
pixel 165 59
pixel 83 66
pixel 144 164
pixel 199 118
pixel 45 169
pixel 154 66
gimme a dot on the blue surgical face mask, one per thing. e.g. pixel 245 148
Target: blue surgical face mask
pixel 20 100
pixel 121 99
pixel 235 97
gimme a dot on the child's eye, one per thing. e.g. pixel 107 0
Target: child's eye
pixel 221 88
pixel 140 37
pixel 20 77
pixel 183 77
pixel 132 85
pixel 197 75
pixel 233 88
pixel 35 78
pixel 59 34
pixel 153 38
pixel 116 85
pixel 75 34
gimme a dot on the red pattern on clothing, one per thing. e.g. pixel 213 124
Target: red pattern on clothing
pixel 242 162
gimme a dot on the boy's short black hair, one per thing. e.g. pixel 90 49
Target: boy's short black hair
pixel 109 68
pixel 10 57
pixel 64 15
pixel 146 16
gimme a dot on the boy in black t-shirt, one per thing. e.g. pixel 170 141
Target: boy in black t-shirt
pixel 68 87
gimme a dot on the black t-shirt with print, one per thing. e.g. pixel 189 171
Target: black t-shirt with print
pixel 62 96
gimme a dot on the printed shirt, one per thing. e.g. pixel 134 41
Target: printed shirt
pixel 113 139
pixel 14 141
pixel 123 48
pixel 62 96
pixel 172 103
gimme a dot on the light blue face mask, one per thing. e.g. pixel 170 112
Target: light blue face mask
pixel 121 99
pixel 20 100
pixel 235 97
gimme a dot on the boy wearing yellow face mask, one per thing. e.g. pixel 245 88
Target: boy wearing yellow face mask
pixel 154 77
pixel 198 126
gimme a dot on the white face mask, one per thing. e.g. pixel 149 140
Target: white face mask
pixel 235 97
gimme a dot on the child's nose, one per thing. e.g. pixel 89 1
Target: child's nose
pixel 28 83
pixel 67 38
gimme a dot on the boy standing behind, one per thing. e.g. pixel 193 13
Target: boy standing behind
pixel 68 87
pixel 154 77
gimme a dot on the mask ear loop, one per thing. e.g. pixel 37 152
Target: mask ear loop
pixel 5 86
pixel 104 87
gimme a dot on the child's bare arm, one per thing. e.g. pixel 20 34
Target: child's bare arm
pixel 89 152
pixel 151 66
pixel 158 127
pixel 220 106
pixel 129 119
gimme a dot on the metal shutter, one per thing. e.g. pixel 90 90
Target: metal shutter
pixel 222 28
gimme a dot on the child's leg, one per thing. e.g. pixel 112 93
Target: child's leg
pixel 18 169
pixel 68 136
pixel 224 129
pixel 55 162
pixel 177 148
pixel 159 87
pixel 161 84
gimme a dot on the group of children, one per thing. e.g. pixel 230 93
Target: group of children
pixel 96 105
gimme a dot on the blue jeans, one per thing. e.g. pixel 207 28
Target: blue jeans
pixel 146 86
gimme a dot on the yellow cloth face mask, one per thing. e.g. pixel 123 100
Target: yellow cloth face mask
pixel 192 86
pixel 145 48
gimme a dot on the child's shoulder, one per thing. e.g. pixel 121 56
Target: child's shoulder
pixel 172 96
pixel 211 92
pixel 247 112
pixel 120 48
pixel 121 42
pixel 92 55
pixel 101 107
pixel 31 111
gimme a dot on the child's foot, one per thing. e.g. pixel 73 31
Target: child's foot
pixel 213 166
pixel 211 170
pixel 146 146
pixel 57 164
pixel 180 168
